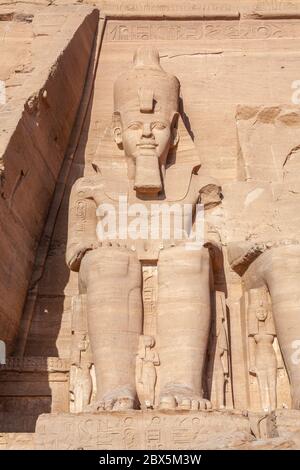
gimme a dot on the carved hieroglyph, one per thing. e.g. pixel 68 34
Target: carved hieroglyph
pixel 154 430
pixel 147 359
pixel 160 164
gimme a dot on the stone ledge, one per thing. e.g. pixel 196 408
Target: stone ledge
pixel 141 430
pixel 36 364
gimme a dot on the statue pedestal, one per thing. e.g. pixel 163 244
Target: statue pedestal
pixel 152 430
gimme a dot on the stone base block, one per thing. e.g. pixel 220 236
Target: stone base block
pixel 17 441
pixel 152 430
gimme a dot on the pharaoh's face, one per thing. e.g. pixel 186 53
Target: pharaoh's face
pixel 148 341
pixel 261 313
pixel 145 134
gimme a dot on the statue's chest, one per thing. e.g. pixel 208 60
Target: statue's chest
pixel 121 192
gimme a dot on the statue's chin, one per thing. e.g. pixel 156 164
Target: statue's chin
pixel 148 189
pixel 147 174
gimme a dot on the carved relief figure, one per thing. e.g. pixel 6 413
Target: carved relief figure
pixel 222 350
pixel 81 385
pixel 147 359
pixel 261 329
pixel 156 163
pixel 81 381
pixel 218 380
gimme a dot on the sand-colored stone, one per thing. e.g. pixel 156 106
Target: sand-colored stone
pixel 150 326
pixel 140 430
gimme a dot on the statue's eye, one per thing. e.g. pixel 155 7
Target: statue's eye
pixel 135 126
pixel 158 125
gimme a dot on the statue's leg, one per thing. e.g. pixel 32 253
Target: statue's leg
pixel 220 381
pixel 263 384
pixel 112 279
pixel 272 382
pixel 183 322
pixel 281 268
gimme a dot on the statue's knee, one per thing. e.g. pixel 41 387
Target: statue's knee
pixel 187 261
pixel 108 263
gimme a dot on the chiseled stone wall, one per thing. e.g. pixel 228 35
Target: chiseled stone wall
pixel 36 124
pixel 237 62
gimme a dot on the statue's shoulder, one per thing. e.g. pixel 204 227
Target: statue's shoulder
pixel 88 183
pixel 208 188
pixel 205 181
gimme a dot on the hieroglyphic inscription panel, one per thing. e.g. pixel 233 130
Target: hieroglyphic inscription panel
pixel 135 430
pixel 36 364
pixel 146 30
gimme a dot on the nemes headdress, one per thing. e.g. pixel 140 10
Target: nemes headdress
pixel 146 87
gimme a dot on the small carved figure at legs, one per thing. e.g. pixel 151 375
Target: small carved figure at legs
pixel 222 350
pixel 81 385
pixel 147 359
pixel 261 327
pixel 266 371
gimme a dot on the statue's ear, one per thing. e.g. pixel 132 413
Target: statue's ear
pixel 96 168
pixel 117 128
pixel 174 130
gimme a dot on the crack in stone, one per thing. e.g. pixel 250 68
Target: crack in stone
pixel 192 54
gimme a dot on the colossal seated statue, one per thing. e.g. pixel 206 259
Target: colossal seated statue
pixel 163 171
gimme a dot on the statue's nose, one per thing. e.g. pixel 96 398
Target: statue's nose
pixel 147 132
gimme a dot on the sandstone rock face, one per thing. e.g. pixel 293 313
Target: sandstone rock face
pixel 149 342
pixel 37 123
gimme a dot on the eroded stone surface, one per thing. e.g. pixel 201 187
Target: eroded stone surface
pixel 141 430
pixel 238 113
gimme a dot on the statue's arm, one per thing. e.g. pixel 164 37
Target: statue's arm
pixel 81 225
pixel 139 369
pixel 156 360
pixel 209 191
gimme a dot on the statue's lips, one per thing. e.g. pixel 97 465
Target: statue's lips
pixel 147 146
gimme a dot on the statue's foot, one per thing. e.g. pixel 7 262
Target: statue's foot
pixel 118 400
pixel 178 397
